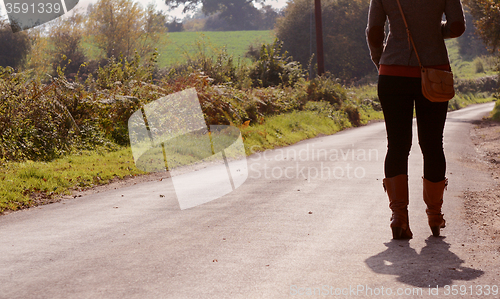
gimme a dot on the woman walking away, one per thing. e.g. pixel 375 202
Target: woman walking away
pixel 399 89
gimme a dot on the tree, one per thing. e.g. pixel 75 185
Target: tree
pixel 65 36
pixel 238 14
pixel 268 17
pixel 344 22
pixel 487 20
pixel 38 61
pixel 124 26
pixel 470 44
pixel 14 47
pixel 175 25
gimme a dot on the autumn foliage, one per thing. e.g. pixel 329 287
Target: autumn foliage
pixel 486 15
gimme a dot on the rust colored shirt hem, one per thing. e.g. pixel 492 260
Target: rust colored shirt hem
pixel 407 71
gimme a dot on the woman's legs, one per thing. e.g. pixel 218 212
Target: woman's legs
pixel 431 118
pixel 397 95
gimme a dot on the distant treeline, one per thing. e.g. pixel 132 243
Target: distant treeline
pixel 250 18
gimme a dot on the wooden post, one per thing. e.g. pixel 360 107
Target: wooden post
pixel 319 38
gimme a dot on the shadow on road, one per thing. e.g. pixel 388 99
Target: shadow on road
pixel 435 266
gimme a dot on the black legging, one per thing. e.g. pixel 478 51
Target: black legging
pixel 397 95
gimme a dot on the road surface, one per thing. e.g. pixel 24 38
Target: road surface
pixel 312 220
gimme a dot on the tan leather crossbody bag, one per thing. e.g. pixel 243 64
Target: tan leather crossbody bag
pixel 437 85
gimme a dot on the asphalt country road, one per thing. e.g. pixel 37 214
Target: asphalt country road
pixel 285 233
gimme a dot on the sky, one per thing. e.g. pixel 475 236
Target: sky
pixel 160 5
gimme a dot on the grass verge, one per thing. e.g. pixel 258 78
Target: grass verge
pixel 462 100
pixel 28 184
pixel 283 130
pixel 495 114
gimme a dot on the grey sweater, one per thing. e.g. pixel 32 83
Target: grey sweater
pixel 425 21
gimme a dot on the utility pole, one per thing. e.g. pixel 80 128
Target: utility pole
pixel 319 37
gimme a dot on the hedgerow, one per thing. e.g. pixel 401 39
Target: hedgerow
pixel 44 120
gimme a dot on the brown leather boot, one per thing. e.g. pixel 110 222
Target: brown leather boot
pixel 397 191
pixel 433 198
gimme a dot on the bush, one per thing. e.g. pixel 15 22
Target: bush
pixel 495 114
pixel 216 64
pixel 35 119
pixel 326 89
pixel 478 65
pixel 42 122
pixel 483 84
pixel 353 115
pixel 13 46
pixel 120 89
pixel 274 68
pixel 65 36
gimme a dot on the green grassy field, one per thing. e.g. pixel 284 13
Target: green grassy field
pixel 177 44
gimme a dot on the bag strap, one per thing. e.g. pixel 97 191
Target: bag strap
pixel 410 38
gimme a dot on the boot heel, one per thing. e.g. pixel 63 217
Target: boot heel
pixel 397 232
pixel 436 231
